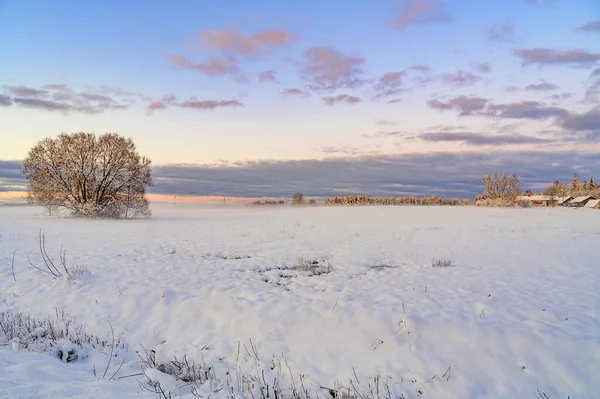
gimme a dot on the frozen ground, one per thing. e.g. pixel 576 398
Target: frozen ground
pixel 517 312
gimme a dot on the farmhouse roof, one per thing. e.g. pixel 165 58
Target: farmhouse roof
pixel 592 204
pixel 562 200
pixel 536 198
pixel 583 198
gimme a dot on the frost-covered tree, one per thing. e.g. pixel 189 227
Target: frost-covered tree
pixel 557 190
pixel 501 186
pixel 298 198
pixel 89 176
pixel 575 184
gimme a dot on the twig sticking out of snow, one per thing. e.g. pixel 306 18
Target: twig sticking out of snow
pixel 50 266
pixel 11 262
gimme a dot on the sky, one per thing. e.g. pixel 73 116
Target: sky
pixel 265 98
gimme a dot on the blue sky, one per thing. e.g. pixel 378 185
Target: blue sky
pixel 235 85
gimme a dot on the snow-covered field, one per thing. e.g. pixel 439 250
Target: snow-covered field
pixel 517 312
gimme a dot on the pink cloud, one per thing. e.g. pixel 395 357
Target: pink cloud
pixel 210 104
pixel 213 67
pixel 267 76
pixel 275 37
pixel 542 86
pixel 592 26
pixel 484 67
pixel 388 85
pixel 465 105
pixel 293 92
pixel 419 11
pixel 230 40
pixel 393 83
pixel 155 106
pixel 194 103
pixel 384 122
pixel 420 68
pixel 460 78
pixel 341 98
pixel 24 91
pixel 501 33
pixel 328 69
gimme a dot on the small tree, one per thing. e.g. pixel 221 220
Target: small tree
pixel 298 198
pixel 552 191
pixel 89 175
pixel 562 190
pixel 575 184
pixel 501 186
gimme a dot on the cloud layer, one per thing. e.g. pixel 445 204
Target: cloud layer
pixel 481 139
pixel 63 99
pixel 544 56
pixel 478 106
pixel 441 173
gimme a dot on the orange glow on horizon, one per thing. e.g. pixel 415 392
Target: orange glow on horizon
pixel 180 199
pixel 13 195
pixel 188 199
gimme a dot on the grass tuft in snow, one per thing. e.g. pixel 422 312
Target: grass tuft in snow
pixel 384 266
pixel 59 336
pixel 233 257
pixel 27 329
pixel 442 263
pixel 314 266
pixel 273 380
pixel 80 272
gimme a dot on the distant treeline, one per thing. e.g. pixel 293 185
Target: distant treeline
pixel 366 200
pixel 576 188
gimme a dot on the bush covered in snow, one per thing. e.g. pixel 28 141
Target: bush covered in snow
pixel 495 202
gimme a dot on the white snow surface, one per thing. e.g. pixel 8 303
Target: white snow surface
pixel 517 312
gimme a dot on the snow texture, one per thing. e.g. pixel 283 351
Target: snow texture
pixel 232 287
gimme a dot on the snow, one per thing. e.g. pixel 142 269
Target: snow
pixel 167 383
pixel 517 311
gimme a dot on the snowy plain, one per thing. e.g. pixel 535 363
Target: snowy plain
pixel 517 312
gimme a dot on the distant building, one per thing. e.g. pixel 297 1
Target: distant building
pixel 594 204
pixel 539 200
pixel 580 202
pixel 563 201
